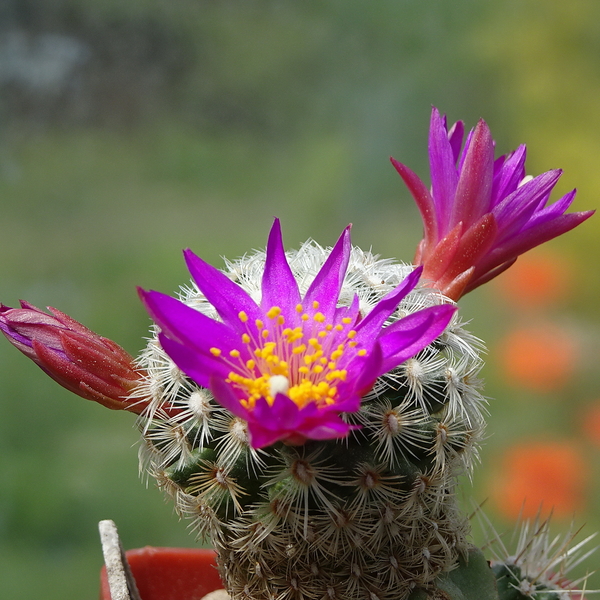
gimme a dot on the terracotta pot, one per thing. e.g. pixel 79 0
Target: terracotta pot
pixel 170 573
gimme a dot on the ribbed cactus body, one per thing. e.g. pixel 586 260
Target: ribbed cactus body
pixel 372 515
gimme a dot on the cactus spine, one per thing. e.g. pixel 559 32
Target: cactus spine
pixel 372 515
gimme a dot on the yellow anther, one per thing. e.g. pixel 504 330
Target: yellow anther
pixel 315 304
pixel 259 323
pixel 305 317
pixel 234 353
pixel 351 334
pixel 352 344
pixel 280 320
pixel 243 316
pixel 317 369
pixel 215 351
pixel 331 365
pixel 303 370
pixel 319 317
pixel 293 334
pixel 299 308
pixel 314 342
pixel 324 360
pixel 339 327
pixel 245 338
pixel 299 349
pixel 361 352
pixel 250 364
pixel 329 327
pixel 347 320
pixel 337 354
pixel 274 312
pixel 265 333
pixel 340 374
pixel 322 334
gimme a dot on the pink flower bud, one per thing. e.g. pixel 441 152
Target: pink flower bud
pixel 83 362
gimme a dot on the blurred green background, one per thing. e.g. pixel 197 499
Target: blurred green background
pixel 131 130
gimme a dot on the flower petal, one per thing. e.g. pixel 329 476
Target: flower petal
pixel 279 286
pixel 444 177
pixel 510 175
pixel 186 325
pixel 474 189
pixel 517 209
pixel 424 201
pixel 325 289
pixel 196 365
pixel 408 336
pixel 228 298
pixel 371 325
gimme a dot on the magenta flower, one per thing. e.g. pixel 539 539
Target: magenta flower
pixel 290 365
pixel 481 213
pixel 83 362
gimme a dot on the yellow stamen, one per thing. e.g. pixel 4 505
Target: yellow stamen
pixel 273 312
pixel 286 362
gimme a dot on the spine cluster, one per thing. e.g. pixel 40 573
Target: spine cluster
pixel 370 516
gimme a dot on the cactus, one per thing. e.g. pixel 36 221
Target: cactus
pixel 539 565
pixel 369 515
pixel 310 411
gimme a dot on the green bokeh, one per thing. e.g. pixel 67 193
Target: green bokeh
pixel 194 123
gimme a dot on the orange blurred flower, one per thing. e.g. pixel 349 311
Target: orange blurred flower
pixel 538 279
pixel 590 423
pixel 539 357
pixel 551 475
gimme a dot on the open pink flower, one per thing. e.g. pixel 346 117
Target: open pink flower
pixel 480 213
pixel 291 364
pixel 83 362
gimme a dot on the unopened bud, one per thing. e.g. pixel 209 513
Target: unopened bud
pixel 83 362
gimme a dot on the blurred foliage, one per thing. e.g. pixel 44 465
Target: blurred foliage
pixel 130 130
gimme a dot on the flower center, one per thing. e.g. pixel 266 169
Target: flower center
pixel 301 362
